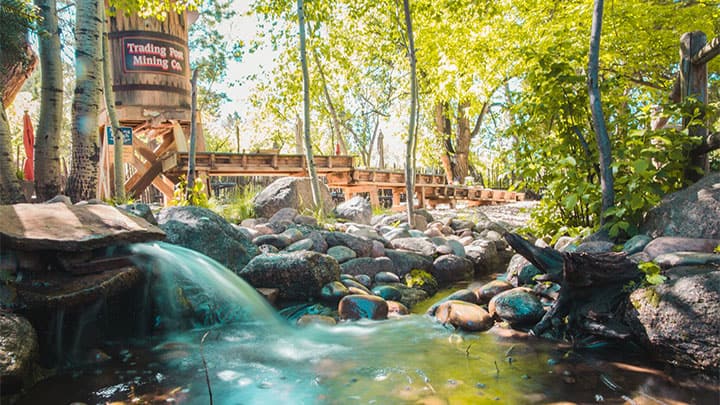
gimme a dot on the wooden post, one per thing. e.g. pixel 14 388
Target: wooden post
pixel 693 83
pixel 193 135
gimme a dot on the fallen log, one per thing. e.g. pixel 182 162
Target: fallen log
pixel 594 290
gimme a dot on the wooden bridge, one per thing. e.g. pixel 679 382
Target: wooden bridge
pixel 158 156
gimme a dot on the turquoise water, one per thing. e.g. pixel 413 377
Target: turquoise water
pixel 251 356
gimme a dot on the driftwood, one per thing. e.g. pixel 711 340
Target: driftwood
pixel 594 290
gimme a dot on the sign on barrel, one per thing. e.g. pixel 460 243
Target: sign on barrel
pixel 127 133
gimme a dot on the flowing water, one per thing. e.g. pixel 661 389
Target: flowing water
pixel 214 334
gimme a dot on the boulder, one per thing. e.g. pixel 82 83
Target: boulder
pixel 680 319
pixel 206 232
pixel 464 315
pixel 71 228
pixel 362 247
pixel 18 354
pixel 666 244
pixel 356 209
pixel 518 307
pixel 362 306
pixel 692 213
pixel 421 246
pixel 404 262
pixel 289 192
pixel 367 266
pixel 451 268
pixel 298 275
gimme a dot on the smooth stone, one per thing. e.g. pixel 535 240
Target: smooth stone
pixel 279 241
pixel 319 243
pixel 420 246
pixel 676 259
pixel 289 192
pixel 564 242
pixel 378 249
pixel 334 291
pixel 414 233
pixel 433 232
pixel 384 277
pixel 669 244
pixel 312 319
pixel 270 294
pixel 141 210
pixel 526 275
pixel 345 276
pixel 358 291
pixel 387 292
pixel 355 284
pixel 364 279
pixel 460 224
pixel 298 275
pixel 486 291
pixel 464 295
pixel 72 228
pixel 518 307
pixel 293 234
pixel 295 312
pixel 305 220
pixel 451 268
pixel 464 315
pixel 397 234
pixel 302 244
pixel 263 229
pixel 458 249
pixel 356 209
pixel 362 231
pixel 396 308
pixel 361 246
pixel 283 215
pixel 444 250
pixel 404 262
pixel 354 307
pixel 636 244
pixel 368 266
pixel 341 253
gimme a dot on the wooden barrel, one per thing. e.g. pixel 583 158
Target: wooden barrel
pixel 151 73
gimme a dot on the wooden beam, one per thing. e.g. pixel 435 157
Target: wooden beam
pixel 707 52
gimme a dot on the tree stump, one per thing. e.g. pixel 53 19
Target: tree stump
pixel 594 290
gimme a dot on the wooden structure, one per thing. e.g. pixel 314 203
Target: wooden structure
pixel 163 158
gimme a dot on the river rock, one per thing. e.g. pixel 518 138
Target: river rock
pixel 378 249
pixel 298 275
pixel 204 231
pixel 486 291
pixel 680 319
pixel 417 245
pixel 289 192
pixel 283 216
pixel 464 295
pixel 464 315
pixel 354 307
pixel 140 209
pixel 597 246
pixel 302 244
pixel 18 354
pixel 279 241
pixel 386 277
pixel 396 308
pixel 364 279
pixel 353 283
pixel 356 209
pixel 368 266
pixel 295 312
pixel 313 319
pixel 451 268
pixel 667 244
pixel 306 220
pixel 692 213
pixel 334 291
pixel 342 254
pixel 268 249
pixel 387 292
pixel 319 243
pixel 361 246
pixel 518 307
pixel 677 259
pixel 484 257
pixel 636 244
pixel 404 262
pixel 527 274
pixel 72 228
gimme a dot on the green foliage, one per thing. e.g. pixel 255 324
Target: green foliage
pixel 717 249
pixel 239 205
pixel 18 17
pixel 197 196
pixel 652 273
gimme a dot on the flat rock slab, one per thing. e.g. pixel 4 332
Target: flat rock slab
pixel 58 226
